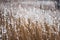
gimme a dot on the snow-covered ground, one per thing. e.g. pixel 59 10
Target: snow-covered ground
pixel 36 10
pixel 31 10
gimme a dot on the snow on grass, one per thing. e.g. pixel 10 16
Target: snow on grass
pixel 23 9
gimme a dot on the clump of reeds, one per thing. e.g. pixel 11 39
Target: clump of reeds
pixel 20 29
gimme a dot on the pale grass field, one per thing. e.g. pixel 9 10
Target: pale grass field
pixel 21 29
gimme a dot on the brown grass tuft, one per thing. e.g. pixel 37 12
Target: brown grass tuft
pixel 20 29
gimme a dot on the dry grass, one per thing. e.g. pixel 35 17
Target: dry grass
pixel 28 30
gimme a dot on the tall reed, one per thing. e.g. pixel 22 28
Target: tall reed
pixel 21 29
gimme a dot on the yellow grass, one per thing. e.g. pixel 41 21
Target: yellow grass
pixel 28 30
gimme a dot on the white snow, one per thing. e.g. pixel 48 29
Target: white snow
pixel 23 9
